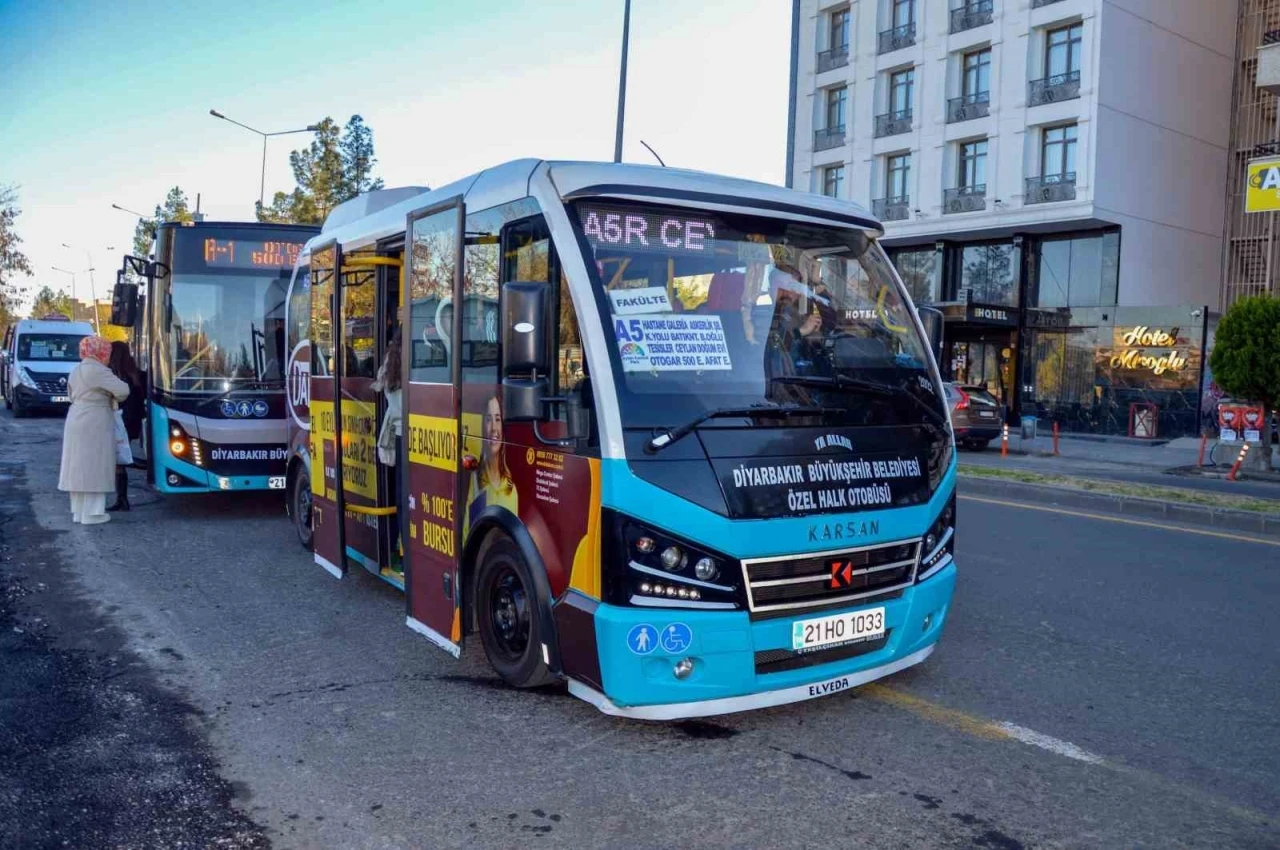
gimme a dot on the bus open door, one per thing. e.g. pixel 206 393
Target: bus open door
pixel 432 370
pixel 326 484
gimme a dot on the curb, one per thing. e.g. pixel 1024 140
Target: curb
pixel 1126 505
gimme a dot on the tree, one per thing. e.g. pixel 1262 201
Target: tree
pixel 1246 352
pixel 175 208
pixel 49 302
pixel 12 261
pixel 336 167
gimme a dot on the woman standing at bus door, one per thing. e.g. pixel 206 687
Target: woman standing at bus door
pixel 389 384
pixel 89 437
pixel 124 368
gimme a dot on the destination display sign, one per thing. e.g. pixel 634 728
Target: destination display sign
pixel 247 254
pixel 641 230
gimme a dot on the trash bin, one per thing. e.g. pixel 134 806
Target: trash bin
pixel 1028 427
pixel 1144 420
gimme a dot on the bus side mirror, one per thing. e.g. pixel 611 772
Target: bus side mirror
pixel 124 305
pixel 931 318
pixel 524 350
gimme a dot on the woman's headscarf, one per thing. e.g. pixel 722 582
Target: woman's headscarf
pixel 95 348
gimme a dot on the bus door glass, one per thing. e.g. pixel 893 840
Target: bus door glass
pixel 431 528
pixel 358 342
pixel 325 518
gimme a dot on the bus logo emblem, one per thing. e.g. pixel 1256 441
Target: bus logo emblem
pixel 298 384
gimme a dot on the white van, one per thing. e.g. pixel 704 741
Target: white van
pixel 38 355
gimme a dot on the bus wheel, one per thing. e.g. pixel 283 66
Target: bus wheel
pixel 507 613
pixel 300 507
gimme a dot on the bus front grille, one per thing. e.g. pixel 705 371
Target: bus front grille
pixel 813 582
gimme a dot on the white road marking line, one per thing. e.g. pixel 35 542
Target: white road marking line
pixel 1047 742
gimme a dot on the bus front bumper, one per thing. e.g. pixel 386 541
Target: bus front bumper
pixel 725 648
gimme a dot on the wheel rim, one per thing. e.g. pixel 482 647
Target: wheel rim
pixel 304 507
pixel 509 614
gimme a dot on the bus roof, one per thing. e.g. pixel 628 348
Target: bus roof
pixel 510 181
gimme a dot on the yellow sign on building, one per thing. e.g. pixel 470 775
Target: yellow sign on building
pixel 1262 188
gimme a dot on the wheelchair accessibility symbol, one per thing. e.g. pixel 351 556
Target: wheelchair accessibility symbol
pixel 676 637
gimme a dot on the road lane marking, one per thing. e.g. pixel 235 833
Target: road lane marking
pixel 1124 520
pixel 977 727
pixel 1047 742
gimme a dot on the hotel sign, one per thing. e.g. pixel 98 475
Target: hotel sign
pixel 992 315
pixel 1262 185
pixel 1137 351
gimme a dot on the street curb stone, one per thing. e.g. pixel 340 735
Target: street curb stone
pixel 1126 505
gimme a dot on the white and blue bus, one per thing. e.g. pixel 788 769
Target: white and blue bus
pixel 210 336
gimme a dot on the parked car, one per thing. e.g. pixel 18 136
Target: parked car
pixel 39 354
pixel 976 415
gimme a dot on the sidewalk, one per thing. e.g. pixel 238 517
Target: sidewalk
pixel 1114 459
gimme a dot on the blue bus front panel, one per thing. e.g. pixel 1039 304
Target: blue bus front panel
pixel 181 461
pixel 739 661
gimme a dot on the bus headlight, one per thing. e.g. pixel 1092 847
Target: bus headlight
pixel 645 567
pixel 939 542
pixel 184 446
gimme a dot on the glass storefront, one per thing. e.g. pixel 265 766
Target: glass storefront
pixel 1034 319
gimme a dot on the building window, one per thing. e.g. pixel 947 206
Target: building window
pixel 1058 151
pixel 976 82
pixel 837 100
pixel 918 269
pixel 973 166
pixel 1077 271
pixel 904 13
pixel 833 181
pixel 839 42
pixel 901 87
pixel 1062 50
pixel 990 272
pixel 897 175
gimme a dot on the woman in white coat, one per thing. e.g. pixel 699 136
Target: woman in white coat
pixel 89 437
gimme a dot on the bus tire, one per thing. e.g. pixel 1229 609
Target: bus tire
pixel 507 605
pixel 300 508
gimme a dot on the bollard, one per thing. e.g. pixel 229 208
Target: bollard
pixel 1004 441
pixel 1204 440
pixel 1055 439
pixel 1231 476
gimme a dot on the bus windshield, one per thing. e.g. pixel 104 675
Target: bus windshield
pixel 62 348
pixel 226 332
pixel 708 310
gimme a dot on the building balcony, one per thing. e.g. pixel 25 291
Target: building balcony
pixel 1036 4
pixel 969 107
pixel 836 57
pixel 963 199
pixel 892 209
pixel 898 38
pixel 1053 89
pixel 893 123
pixel 1050 188
pixel 825 140
pixel 972 15
pixel 1269 62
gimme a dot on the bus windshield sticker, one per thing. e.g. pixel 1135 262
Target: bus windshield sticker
pixel 647 299
pixel 671 343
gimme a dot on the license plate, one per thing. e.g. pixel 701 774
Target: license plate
pixel 275 482
pixel 986 414
pixel 61 399
pixel 852 627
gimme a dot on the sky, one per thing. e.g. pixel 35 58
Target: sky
pixel 108 102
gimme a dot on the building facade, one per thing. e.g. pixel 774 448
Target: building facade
pixel 1050 173
pixel 1252 260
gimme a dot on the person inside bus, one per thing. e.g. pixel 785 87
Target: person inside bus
pixel 123 367
pixel 389 383
pixel 491 485
pixel 88 465
pixel 795 331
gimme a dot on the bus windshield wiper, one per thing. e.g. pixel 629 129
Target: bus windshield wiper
pixel 671 435
pixel 844 382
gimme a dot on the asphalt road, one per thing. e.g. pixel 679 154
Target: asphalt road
pixel 1101 684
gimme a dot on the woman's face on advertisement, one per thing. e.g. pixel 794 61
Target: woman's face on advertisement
pixel 493 421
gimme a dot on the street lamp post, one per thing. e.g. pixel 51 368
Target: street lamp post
pixel 130 212
pixel 622 81
pixel 93 290
pixel 262 186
